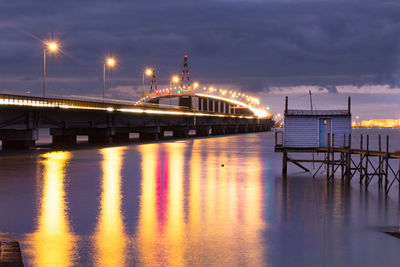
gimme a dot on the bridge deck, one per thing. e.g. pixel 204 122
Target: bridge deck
pixel 22 116
pixel 42 102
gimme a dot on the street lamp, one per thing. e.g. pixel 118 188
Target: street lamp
pixel 52 47
pixel 109 62
pixel 174 80
pixel 195 85
pixel 148 72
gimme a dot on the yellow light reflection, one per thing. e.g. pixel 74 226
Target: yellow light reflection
pixel 253 224
pixel 110 238
pixel 175 228
pixel 53 243
pixel 147 227
pixel 194 219
pixel 213 217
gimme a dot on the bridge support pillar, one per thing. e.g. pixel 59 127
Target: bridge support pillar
pixel 203 130
pixel 149 136
pixel 231 129
pixel 150 133
pixel 242 129
pixel 101 136
pixel 63 139
pixel 18 139
pixel 218 129
pixel 251 128
pixel 121 137
pixel 180 132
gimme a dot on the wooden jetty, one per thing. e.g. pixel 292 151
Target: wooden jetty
pixel 10 254
pixel 336 156
pixel 382 165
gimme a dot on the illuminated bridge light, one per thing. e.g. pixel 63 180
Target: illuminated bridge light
pixel 73 104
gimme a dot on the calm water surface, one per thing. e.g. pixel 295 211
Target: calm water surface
pixel 173 203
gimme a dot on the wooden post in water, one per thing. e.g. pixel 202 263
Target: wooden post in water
pixel 348 161
pixel 366 164
pixel 387 164
pixel 10 254
pixel 333 157
pixel 284 164
pixel 380 162
pixel 342 157
pixel 361 159
pixel 328 156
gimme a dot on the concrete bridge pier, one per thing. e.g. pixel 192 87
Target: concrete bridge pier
pixel 62 136
pixel 180 132
pixel 18 139
pixel 121 137
pixel 150 133
pixel 251 128
pixel 64 139
pixel 218 129
pixel 231 129
pixel 101 135
pixel 242 128
pixel 203 130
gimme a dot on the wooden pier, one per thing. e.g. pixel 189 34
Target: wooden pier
pixel 10 254
pixel 347 162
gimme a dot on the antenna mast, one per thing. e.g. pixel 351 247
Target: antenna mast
pixel 185 73
pixel 153 81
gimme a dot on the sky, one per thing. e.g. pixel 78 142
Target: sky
pixel 267 48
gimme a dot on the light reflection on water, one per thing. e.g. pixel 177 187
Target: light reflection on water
pixel 174 204
pixel 53 243
pixel 110 238
pixel 177 228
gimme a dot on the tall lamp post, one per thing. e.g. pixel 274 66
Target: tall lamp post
pixel 52 47
pixel 110 62
pixel 148 72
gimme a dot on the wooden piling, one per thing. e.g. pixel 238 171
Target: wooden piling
pixel 328 156
pixel 10 254
pixel 348 162
pixel 366 167
pixel 284 164
pixel 387 164
pixel 366 176
pixel 342 157
pixel 380 162
pixel 333 157
pixel 361 158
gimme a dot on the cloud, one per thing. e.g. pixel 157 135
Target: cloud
pixel 251 45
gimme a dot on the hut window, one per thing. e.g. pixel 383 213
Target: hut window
pixel 325 122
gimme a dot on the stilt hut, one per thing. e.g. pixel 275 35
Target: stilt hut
pixel 310 129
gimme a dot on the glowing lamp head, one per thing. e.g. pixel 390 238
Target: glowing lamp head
pixel 148 72
pixel 111 62
pixel 52 46
pixel 195 85
pixel 179 91
pixel 175 79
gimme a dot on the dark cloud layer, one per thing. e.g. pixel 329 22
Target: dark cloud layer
pixel 250 44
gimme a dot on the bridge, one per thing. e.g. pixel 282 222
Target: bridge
pixel 109 122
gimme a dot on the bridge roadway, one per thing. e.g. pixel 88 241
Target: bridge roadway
pixel 22 116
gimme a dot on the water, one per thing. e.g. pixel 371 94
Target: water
pixel 196 202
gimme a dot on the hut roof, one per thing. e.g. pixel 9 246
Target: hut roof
pixel 299 112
